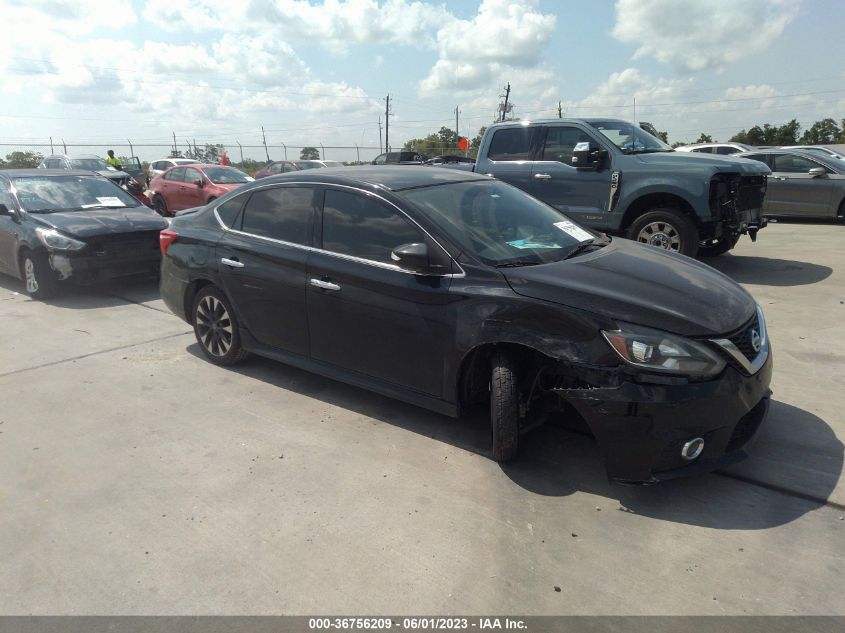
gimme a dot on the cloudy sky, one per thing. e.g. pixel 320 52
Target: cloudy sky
pixel 315 71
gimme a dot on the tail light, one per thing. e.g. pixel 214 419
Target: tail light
pixel 165 239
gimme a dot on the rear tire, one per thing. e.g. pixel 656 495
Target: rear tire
pixel 39 278
pixel 504 408
pixel 160 206
pixel 668 229
pixel 216 327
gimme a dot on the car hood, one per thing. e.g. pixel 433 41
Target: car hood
pixel 669 160
pixel 228 186
pixel 92 222
pixel 640 284
pixel 113 175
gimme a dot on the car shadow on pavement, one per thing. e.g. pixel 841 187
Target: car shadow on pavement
pixel 105 295
pixel 555 461
pixel 767 271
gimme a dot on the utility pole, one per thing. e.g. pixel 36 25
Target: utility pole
pixel 52 151
pixel 358 152
pixel 196 152
pixel 266 151
pixel 457 134
pixel 559 111
pixel 131 151
pixel 175 149
pixel 285 147
pixel 63 145
pixel 387 124
pixel 379 135
pixel 506 96
pixel 323 152
pixel 240 147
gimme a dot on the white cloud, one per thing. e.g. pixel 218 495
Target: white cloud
pixel 701 34
pixel 193 15
pixel 472 54
pixel 335 24
pixel 750 91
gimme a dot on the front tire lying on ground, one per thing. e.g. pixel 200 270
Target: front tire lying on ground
pixel 666 228
pixel 504 408
pixel 216 328
pixel 39 278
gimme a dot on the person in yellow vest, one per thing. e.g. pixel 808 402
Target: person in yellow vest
pixel 113 161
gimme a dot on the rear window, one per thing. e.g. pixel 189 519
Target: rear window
pixel 511 144
pixel 281 213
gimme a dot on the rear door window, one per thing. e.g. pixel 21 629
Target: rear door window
pixel 727 149
pixel 362 226
pixel 281 213
pixel 511 144
pixel 177 174
pixel 228 211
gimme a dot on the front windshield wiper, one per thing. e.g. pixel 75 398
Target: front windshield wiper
pixel 647 150
pixel 583 246
pixel 516 263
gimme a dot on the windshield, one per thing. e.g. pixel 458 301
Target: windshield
pixel 499 224
pixel 307 165
pixel 332 163
pixel 225 175
pixel 90 164
pixel 63 193
pixel 630 138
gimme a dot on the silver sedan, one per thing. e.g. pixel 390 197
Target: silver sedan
pixel 802 184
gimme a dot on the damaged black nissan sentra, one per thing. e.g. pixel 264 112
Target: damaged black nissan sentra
pixel 59 225
pixel 447 289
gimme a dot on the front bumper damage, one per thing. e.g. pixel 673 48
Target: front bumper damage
pixel 109 258
pixel 641 428
pixel 737 203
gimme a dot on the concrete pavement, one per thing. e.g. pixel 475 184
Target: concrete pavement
pixel 136 478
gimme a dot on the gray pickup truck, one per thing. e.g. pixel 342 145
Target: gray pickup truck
pixel 615 177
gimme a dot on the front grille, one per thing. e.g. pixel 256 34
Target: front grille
pixel 125 244
pixel 751 191
pixel 742 339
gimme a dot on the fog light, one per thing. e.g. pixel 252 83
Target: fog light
pixel 692 449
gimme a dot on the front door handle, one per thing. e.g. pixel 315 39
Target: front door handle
pixel 234 263
pixel 542 177
pixel 324 285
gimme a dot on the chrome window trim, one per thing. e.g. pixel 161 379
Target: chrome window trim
pixel 353 258
pixel 753 366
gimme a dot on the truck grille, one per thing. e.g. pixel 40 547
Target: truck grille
pixel 730 194
pixel 751 191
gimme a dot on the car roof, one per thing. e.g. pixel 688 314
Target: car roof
pixel 828 161
pixel 23 173
pixel 391 177
pixel 73 156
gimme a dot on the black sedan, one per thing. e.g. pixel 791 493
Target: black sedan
pixel 448 289
pixel 57 225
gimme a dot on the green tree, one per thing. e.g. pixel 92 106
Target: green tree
pixel 663 136
pixel 309 153
pixel 704 138
pixel 22 160
pixel 822 132
pixel 208 153
pixel 786 134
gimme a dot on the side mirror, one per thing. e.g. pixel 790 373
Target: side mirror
pixel 198 183
pixel 817 172
pixel 4 210
pixel 587 155
pixel 413 257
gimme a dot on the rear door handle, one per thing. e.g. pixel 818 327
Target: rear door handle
pixel 324 285
pixel 542 176
pixel 234 263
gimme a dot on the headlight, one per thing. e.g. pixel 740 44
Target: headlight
pixel 54 240
pixel 662 352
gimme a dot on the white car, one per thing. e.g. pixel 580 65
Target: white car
pixel 816 149
pixel 158 167
pixel 715 148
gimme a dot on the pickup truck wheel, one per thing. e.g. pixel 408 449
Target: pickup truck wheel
pixel 667 229
pixel 504 408
pixel 719 248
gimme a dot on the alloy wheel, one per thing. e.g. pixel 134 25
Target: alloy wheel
pixel 214 326
pixel 660 234
pixel 29 276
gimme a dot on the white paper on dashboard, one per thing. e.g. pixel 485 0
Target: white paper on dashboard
pixel 110 201
pixel 573 230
